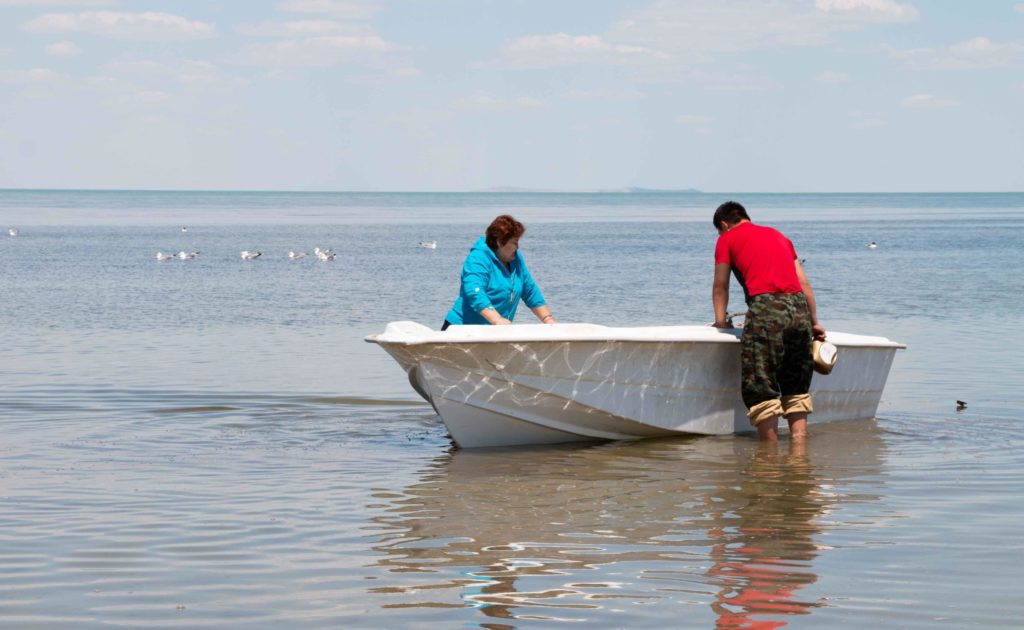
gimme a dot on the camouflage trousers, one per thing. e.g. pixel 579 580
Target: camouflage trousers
pixel 775 350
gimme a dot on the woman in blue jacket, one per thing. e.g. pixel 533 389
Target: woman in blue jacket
pixel 494 278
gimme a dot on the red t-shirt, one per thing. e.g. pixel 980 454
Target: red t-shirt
pixel 761 257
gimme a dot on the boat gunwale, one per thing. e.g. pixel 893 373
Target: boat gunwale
pixel 732 340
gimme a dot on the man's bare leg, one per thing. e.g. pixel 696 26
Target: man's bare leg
pixel 768 430
pixel 797 426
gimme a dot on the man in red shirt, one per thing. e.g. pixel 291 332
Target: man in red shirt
pixel 781 321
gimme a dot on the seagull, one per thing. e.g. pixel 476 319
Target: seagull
pixel 872 245
pixel 296 255
pixel 187 255
pixel 13 231
pixel 961 405
pixel 163 256
pixel 247 255
pixel 428 244
pixel 184 229
pixel 323 255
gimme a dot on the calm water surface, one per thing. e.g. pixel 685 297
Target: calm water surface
pixel 211 443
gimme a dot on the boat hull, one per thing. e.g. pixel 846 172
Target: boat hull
pixel 549 390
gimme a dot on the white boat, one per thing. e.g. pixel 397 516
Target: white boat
pixel 542 384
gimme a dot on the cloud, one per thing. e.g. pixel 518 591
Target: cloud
pixel 185 71
pixel 32 76
pixel 928 101
pixel 63 49
pixel 603 95
pixel 730 81
pixel 887 10
pixel 314 51
pixel 301 28
pixel 971 54
pixel 697 122
pixel 860 120
pixel 56 3
pixel 340 9
pixel 692 119
pixel 663 40
pixel 483 101
pixel 144 98
pixel 134 26
pixel 830 77
pixel 563 50
pixel 695 30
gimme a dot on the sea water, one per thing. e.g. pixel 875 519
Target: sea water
pixel 210 442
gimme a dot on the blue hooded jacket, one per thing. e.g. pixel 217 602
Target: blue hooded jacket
pixel 486 283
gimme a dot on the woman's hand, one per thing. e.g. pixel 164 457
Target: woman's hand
pixel 819 332
pixel 502 322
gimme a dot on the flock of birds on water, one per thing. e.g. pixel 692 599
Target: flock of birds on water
pixel 322 254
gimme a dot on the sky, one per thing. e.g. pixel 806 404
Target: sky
pixel 450 95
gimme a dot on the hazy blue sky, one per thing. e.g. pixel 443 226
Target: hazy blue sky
pixel 721 95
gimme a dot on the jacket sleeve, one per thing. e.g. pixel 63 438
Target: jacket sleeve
pixel 476 272
pixel 531 292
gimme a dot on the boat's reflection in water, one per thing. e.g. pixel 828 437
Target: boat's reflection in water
pixel 683 531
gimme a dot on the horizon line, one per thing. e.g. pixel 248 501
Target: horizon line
pixel 631 190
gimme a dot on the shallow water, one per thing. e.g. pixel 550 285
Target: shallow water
pixel 211 443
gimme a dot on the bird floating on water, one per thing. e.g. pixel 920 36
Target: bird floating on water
pixel 163 256
pixel 872 245
pixel 323 255
pixel 961 405
pixel 187 255
pixel 13 231
pixel 428 244
pixel 296 255
pixel 184 229
pixel 247 255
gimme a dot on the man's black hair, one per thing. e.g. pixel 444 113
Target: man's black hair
pixel 731 212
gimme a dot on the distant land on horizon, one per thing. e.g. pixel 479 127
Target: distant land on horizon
pixel 628 189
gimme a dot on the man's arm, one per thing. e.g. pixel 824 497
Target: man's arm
pixel 805 285
pixel 720 294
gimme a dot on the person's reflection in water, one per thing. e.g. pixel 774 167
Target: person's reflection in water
pixel 763 561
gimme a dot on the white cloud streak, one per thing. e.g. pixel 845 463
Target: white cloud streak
pixel 563 50
pixel 33 76
pixel 144 98
pixel 149 25
pixel 928 101
pixel 860 120
pixel 665 39
pixel 831 77
pixel 483 101
pixel 56 3
pixel 870 9
pixel 692 119
pixel 314 51
pixel 300 28
pixel 975 53
pixel 340 9
pixel 63 49
pixel 184 71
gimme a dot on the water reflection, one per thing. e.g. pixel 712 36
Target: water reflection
pixel 720 530
pixel 762 561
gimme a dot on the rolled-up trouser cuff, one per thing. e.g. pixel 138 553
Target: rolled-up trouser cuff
pixel 764 411
pixel 797 403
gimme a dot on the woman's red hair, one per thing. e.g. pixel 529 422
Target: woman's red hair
pixel 501 229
